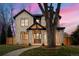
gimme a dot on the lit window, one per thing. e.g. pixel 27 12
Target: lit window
pixel 45 36
pixel 37 36
pixel 26 36
pixel 26 22
pixel 22 22
pixel 37 21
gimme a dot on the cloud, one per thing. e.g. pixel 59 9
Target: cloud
pixel 70 17
pixel 69 13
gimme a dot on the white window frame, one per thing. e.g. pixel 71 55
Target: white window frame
pixel 37 20
pixel 22 22
pixel 25 23
pixel 37 35
pixel 45 35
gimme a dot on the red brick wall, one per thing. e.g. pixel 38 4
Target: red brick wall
pixel 10 40
pixel 67 41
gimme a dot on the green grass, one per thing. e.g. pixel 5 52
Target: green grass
pixel 63 51
pixel 7 48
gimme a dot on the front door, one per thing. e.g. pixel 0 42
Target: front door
pixel 37 37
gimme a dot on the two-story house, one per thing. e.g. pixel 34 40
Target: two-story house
pixel 31 29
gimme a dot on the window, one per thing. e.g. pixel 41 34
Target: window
pixel 38 21
pixel 24 35
pixel 37 35
pixel 24 22
pixel 45 35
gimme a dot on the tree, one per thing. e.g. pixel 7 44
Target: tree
pixel 3 36
pixel 5 21
pixel 11 20
pixel 75 37
pixel 50 27
pixel 3 33
pixel 9 32
pixel 48 18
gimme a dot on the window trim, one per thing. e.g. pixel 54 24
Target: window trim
pixel 23 33
pixel 21 22
pixel 35 34
pixel 27 22
pixel 24 22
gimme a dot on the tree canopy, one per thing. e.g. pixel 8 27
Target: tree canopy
pixel 75 37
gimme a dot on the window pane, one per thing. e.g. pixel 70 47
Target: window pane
pixel 37 36
pixel 40 36
pixel 37 21
pixel 22 22
pixel 34 36
pixel 45 36
pixel 26 36
pixel 26 22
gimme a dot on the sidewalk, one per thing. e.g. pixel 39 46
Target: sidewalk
pixel 19 51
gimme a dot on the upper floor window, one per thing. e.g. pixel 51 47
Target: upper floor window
pixel 38 21
pixel 24 22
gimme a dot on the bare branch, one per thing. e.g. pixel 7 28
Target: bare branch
pixel 58 8
pixel 40 6
pixel 57 13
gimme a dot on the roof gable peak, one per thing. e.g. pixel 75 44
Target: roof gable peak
pixel 21 12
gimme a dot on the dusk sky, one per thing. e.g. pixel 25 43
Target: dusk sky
pixel 69 13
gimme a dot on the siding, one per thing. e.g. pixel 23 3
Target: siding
pixel 59 37
pixel 19 28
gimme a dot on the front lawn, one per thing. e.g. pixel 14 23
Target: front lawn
pixel 62 51
pixel 7 48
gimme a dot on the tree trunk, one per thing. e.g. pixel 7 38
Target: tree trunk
pixel 50 34
pixel 52 26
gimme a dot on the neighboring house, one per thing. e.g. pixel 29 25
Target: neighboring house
pixel 31 29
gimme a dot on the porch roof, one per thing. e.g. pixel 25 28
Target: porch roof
pixel 37 26
pixel 60 28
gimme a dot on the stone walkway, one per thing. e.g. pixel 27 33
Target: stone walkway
pixel 19 51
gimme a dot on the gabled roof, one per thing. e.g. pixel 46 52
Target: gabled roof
pixel 21 12
pixel 36 15
pixel 36 26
